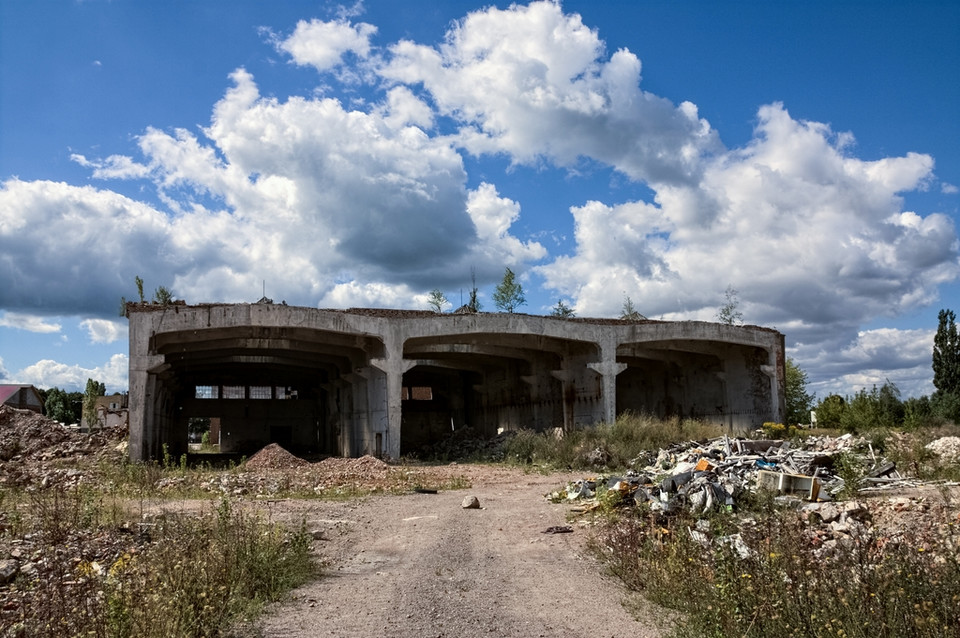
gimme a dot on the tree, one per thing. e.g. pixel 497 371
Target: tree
pixel 94 389
pixel 474 303
pixel 139 283
pixel 946 355
pixel 437 300
pixel 162 296
pixel 629 312
pixel 63 406
pixel 509 293
pixel 797 400
pixel 729 313
pixel 562 310
pixel 830 411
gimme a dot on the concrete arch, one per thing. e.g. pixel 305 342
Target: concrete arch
pixel 352 373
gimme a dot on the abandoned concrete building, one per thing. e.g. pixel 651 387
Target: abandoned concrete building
pixel 389 382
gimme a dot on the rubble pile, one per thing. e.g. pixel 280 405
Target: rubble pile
pixel 947 448
pixel 30 443
pixel 274 457
pixel 704 476
pixel 24 433
pixel 273 471
pixel 60 572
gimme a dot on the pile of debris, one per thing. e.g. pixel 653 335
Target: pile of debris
pixel 704 476
pixel 31 444
pixel 274 457
pixel 946 448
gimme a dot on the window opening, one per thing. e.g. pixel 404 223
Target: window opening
pixel 261 392
pixel 234 392
pixel 207 392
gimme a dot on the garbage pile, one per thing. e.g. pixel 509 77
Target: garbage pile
pixel 705 476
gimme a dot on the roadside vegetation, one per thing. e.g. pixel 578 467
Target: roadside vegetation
pixel 875 586
pixel 106 572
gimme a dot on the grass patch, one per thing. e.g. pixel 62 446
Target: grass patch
pixel 612 446
pixel 872 586
pixel 186 575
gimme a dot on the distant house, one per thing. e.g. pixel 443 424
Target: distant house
pixel 23 397
pixel 111 411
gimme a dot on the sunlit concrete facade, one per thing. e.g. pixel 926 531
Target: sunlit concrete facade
pixel 389 382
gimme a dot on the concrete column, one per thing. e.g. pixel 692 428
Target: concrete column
pixel 566 378
pixel 394 367
pixel 608 369
pixel 143 424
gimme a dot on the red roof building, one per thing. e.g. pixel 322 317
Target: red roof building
pixel 24 397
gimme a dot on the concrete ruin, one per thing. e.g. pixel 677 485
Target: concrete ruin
pixel 390 382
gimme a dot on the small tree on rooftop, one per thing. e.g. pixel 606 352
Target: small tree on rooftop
pixel 509 293
pixel 437 300
pixel 162 296
pixel 629 312
pixel 562 310
pixel 139 283
pixel 474 303
pixel 729 312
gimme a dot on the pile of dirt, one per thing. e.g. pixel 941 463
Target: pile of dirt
pixel 30 442
pixel 274 457
pixel 24 433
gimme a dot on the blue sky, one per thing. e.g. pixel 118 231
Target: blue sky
pixel 804 154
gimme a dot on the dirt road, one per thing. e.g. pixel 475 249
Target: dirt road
pixel 420 565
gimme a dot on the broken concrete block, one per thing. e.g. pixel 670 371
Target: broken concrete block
pixel 8 570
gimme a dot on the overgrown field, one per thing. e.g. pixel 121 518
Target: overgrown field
pixel 91 568
pixel 777 580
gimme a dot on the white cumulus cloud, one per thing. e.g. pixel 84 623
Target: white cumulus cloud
pixel 47 373
pixel 536 83
pixel 103 330
pixel 322 44
pixel 30 323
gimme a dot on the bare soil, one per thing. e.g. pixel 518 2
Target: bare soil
pixel 421 565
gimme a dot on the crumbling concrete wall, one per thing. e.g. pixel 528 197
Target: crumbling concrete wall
pixel 349 374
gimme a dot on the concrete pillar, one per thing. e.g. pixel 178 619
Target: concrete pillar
pixel 394 366
pixel 608 369
pixel 566 378
pixel 143 444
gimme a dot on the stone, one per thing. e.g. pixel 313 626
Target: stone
pixel 8 570
pixel 470 503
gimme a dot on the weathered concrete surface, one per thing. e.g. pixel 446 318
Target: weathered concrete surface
pixel 354 382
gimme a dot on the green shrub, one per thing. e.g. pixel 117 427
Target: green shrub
pixel 610 445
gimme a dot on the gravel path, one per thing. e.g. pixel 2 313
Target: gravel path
pixel 420 565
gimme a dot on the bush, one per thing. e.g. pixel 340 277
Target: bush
pixel 607 445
